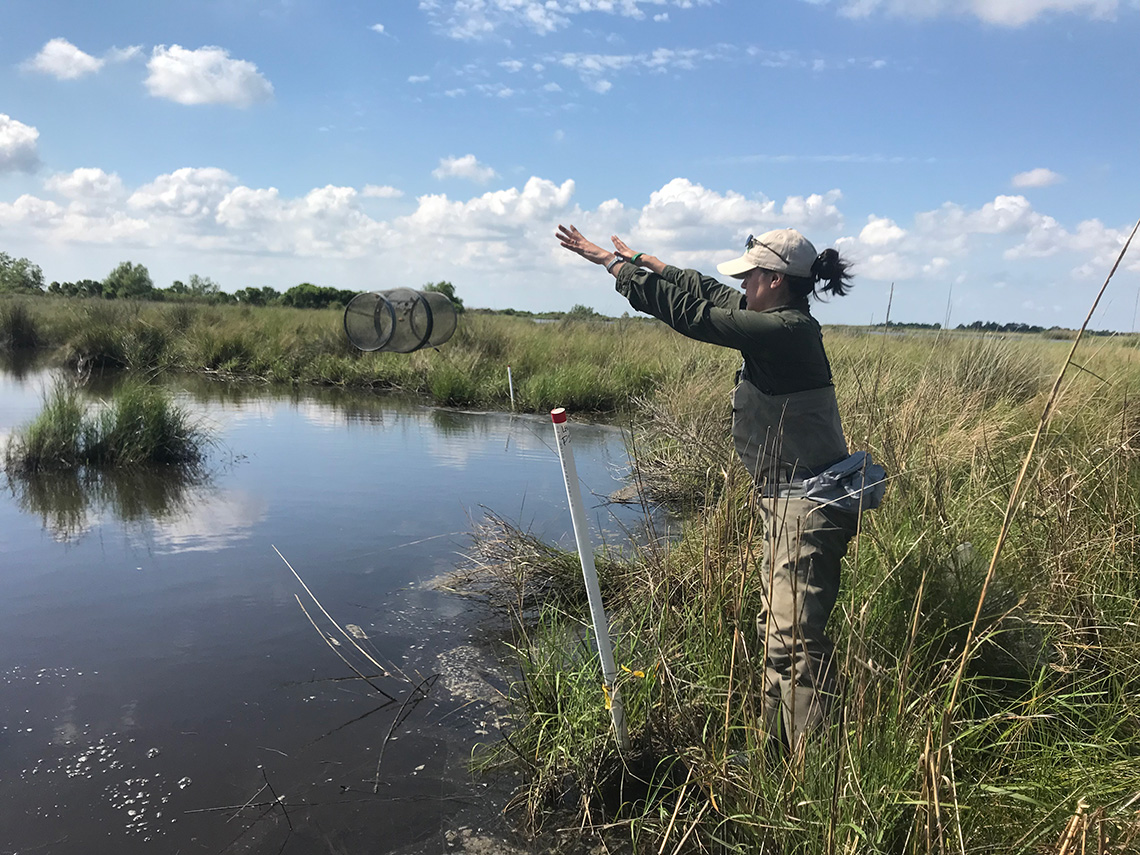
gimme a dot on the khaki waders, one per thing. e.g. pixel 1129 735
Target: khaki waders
pixel 803 546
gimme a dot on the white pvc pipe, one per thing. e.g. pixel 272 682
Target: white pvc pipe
pixel 590 574
pixel 511 384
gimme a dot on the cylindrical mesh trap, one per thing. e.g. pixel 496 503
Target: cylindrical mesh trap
pixel 399 320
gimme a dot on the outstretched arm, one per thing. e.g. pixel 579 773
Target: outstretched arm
pixel 626 259
pixel 649 262
pixel 573 240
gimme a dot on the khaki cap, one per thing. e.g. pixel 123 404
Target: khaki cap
pixel 781 251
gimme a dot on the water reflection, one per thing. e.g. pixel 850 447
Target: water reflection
pixel 19 364
pixel 70 504
pixel 158 639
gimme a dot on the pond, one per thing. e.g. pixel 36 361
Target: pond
pixel 163 691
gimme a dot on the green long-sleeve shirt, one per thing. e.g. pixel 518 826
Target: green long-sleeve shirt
pixel 782 348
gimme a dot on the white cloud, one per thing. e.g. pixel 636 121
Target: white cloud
pixel 258 233
pixel 377 28
pixel 187 193
pixel 419 78
pixel 689 216
pixel 464 167
pixel 18 152
pixel 936 266
pixel 1007 229
pixel 123 54
pixel 477 19
pixel 63 61
pixel 597 69
pixel 880 231
pixel 376 191
pixel 661 18
pixel 1008 13
pixel 1036 178
pixel 494 90
pixel 87 185
pixel 205 76
pixel 886 267
pixel 511 65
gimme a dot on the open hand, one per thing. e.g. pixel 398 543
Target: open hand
pixel 572 239
pixel 621 248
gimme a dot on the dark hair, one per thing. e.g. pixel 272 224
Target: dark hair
pixel 829 268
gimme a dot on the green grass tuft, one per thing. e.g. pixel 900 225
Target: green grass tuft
pixel 140 425
pixel 19 329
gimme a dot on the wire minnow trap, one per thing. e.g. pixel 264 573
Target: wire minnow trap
pixel 399 321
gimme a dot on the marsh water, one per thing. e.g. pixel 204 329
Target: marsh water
pixel 161 689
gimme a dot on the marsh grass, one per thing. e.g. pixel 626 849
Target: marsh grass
pixel 18 327
pixel 139 425
pixel 1042 754
pixel 585 365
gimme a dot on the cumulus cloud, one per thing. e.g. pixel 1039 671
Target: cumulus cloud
pixel 477 19
pixel 206 209
pixel 205 76
pixel 376 191
pixel 18 152
pixel 377 28
pixel 880 231
pixel 952 236
pixel 88 184
pixel 691 217
pixel 419 78
pixel 464 167
pixel 63 61
pixel 208 212
pixel 1008 13
pixel 1036 178
pixel 187 193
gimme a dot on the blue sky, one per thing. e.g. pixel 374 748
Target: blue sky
pixel 976 154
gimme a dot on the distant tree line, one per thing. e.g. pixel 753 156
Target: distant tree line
pixel 1060 332
pixel 908 325
pixel 129 281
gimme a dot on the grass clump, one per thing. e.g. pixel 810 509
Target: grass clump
pixel 55 439
pixel 18 327
pixel 140 425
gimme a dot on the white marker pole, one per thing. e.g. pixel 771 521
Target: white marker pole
pixel 590 573
pixel 511 384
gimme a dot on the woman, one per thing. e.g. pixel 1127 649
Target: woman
pixel 786 429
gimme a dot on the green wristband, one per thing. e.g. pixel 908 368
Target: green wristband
pixel 634 259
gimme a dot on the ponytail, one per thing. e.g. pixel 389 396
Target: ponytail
pixel 830 268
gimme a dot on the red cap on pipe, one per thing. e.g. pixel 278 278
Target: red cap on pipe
pixel 558 416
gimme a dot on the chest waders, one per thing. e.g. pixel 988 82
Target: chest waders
pixel 782 439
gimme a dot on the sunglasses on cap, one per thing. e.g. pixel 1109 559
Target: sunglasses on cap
pixel 755 241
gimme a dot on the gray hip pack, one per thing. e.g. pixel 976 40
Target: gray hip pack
pixel 854 484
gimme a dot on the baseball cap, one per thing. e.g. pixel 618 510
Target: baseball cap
pixel 781 251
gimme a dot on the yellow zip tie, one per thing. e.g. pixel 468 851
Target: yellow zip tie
pixel 606 692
